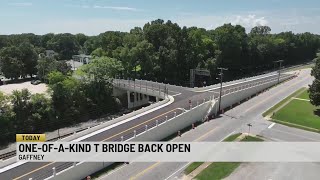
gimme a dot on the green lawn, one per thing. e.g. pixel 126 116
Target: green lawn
pixel 304 95
pixel 251 139
pixel 299 112
pixel 192 167
pixel 283 102
pixel 195 165
pixel 220 170
pixel 232 137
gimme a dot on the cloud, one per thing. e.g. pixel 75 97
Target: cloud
pixel 22 4
pixel 249 21
pixel 121 8
pixel 212 21
pixel 298 21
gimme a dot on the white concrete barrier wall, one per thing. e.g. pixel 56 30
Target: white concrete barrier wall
pixel 80 171
pixel 237 96
pixel 157 133
pixel 123 85
pixel 170 127
pixel 98 127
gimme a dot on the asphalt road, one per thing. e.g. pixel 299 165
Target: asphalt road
pixel 43 170
pixel 273 171
pixel 234 120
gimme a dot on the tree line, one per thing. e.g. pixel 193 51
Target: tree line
pixel 158 51
pixel 314 88
pixel 164 51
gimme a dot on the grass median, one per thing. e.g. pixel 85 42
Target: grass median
pixel 195 165
pixel 281 103
pixel 297 111
pixel 220 170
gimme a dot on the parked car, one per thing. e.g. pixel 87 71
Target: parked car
pixel 35 82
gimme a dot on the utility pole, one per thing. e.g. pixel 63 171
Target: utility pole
pixel 59 128
pixel 221 77
pixel 280 62
pixel 249 125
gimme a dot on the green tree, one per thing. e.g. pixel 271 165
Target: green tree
pixel 41 114
pixel 102 69
pixel 6 120
pixel 10 62
pixel 65 45
pixel 29 58
pixel 45 66
pixel 21 108
pixel 260 30
pixel 68 99
pixel 314 88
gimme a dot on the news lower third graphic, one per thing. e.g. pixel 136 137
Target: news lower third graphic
pixel 33 148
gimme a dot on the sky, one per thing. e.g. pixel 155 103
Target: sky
pixel 93 17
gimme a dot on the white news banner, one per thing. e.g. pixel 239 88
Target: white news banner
pixel 169 151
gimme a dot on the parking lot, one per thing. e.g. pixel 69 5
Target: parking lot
pixel 9 88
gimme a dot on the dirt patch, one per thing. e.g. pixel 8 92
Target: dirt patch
pixel 9 88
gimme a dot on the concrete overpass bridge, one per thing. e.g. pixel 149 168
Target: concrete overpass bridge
pixel 177 108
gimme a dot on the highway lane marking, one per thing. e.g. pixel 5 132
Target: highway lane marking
pixel 268 98
pixel 123 132
pixel 5 168
pixel 158 163
pixel 176 95
pixel 102 140
pixel 139 124
pixel 35 170
pixel 292 134
pixel 113 171
pixel 271 125
pixel 144 171
pixel 184 166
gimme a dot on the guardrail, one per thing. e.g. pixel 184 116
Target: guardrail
pixel 145 128
pixel 147 88
pixel 144 131
pixel 8 157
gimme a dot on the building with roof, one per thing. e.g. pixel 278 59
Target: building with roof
pixel 82 58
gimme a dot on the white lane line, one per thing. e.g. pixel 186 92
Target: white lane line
pixel 11 166
pixel 227 136
pixel 176 94
pixel 184 166
pixel 271 125
pixel 113 171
